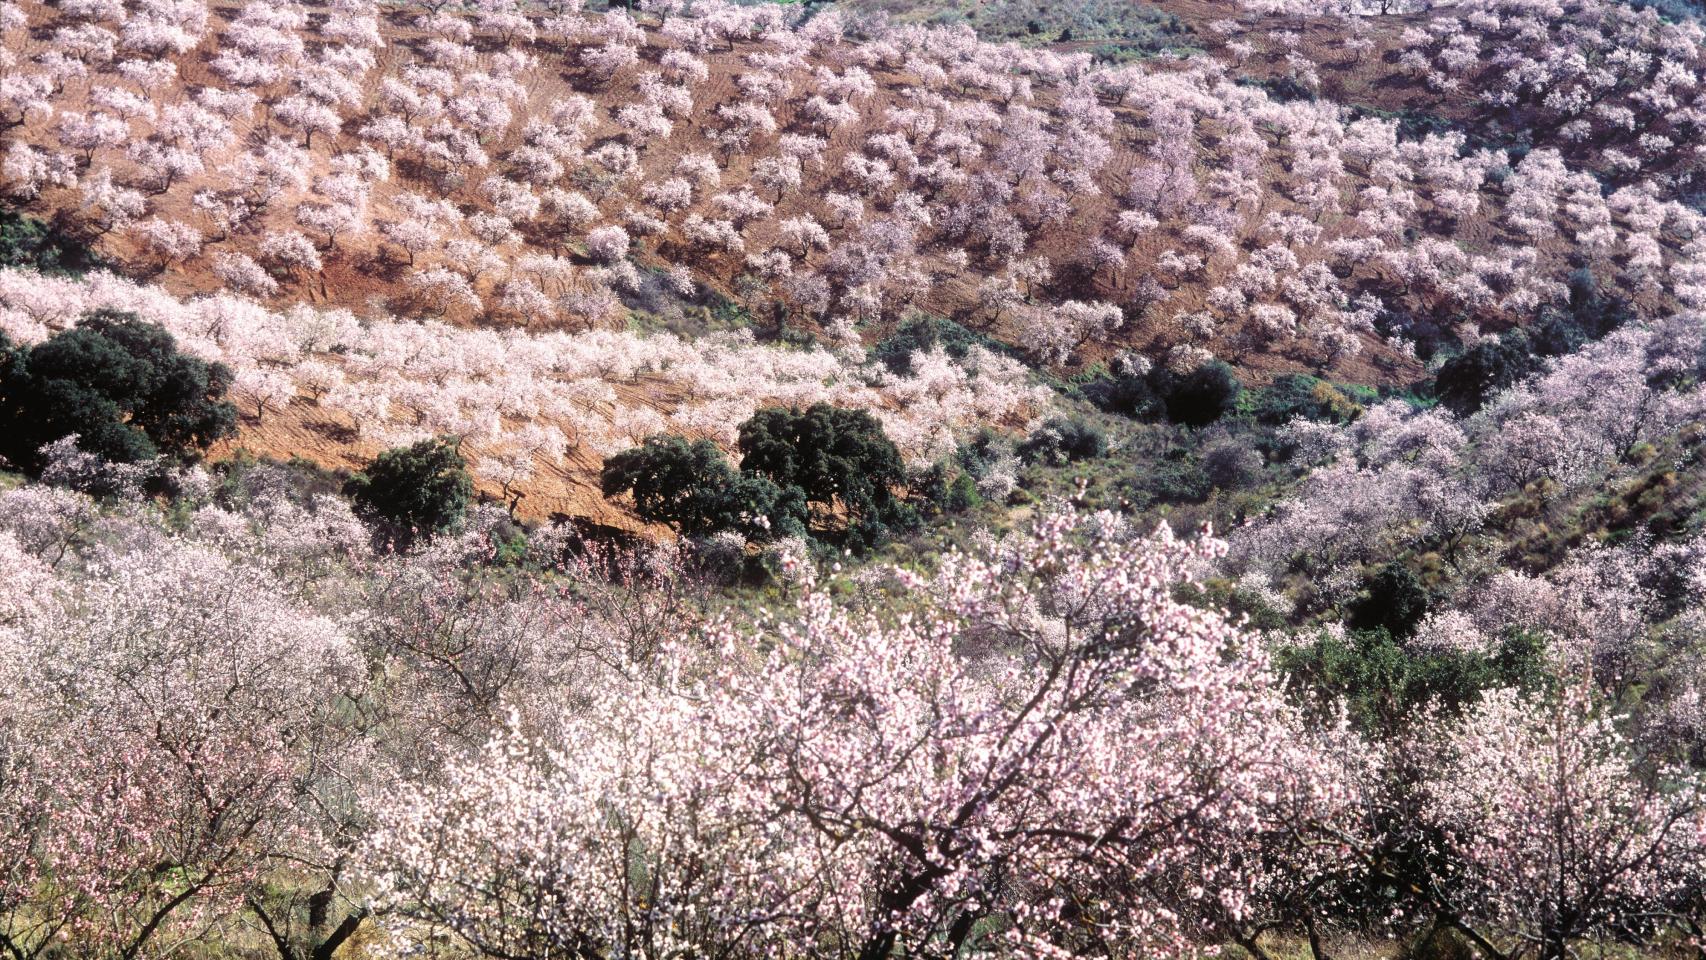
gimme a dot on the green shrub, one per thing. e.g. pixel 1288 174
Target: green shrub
pixel 1176 477
pixel 1385 686
pixel 925 332
pixel 691 486
pixel 1297 395
pixel 1394 601
pixel 1196 399
pixel 833 456
pixel 1282 89
pixel 414 491
pixel 1129 395
pixel 1202 396
pixel 121 385
pixel 791 459
pixel 1061 440
pixel 1471 378
pixel 941 489
pixel 28 242
pixel 1231 463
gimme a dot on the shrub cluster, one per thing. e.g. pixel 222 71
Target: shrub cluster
pixel 120 385
pixel 822 471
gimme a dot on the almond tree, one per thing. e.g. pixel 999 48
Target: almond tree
pixel 174 693
pixel 946 779
pixel 1559 833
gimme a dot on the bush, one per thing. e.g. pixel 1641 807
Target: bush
pixel 1129 395
pixel 28 242
pixel 941 489
pixel 1557 333
pixel 1297 395
pixel 925 332
pixel 1231 463
pixel 1196 399
pixel 121 385
pixel 984 449
pixel 417 490
pixel 1282 89
pixel 1395 602
pixel 1471 378
pixel 672 481
pixel 1060 441
pixel 691 486
pixel 989 463
pixel 1177 477
pixel 1202 396
pixel 832 456
pixel 1428 332
pixel 791 459
pixel 1385 686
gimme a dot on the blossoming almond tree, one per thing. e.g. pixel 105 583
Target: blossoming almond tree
pixel 1021 760
pixel 1558 834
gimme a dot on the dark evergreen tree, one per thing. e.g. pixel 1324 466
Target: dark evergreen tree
pixel 692 487
pixel 121 385
pixel 1202 396
pixel 414 491
pixel 1396 601
pixel 833 456
pixel 1469 379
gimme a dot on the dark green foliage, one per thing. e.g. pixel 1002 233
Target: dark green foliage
pixel 1385 685
pixel 1596 312
pixel 981 456
pixel 1138 25
pixel 415 490
pixel 978 454
pixel 1239 604
pixel 833 456
pixel 1176 478
pixel 1061 440
pixel 1428 331
pixel 1129 395
pixel 1395 602
pixel 1471 378
pixel 791 459
pixel 961 494
pixel 923 332
pixel 796 338
pixel 1468 380
pixel 1166 469
pixel 1202 396
pixel 942 490
pixel 1297 395
pixel 692 487
pixel 760 510
pixel 1418 125
pixel 28 242
pixel 1282 89
pixel 1588 314
pixel 1680 11
pixel 1557 334
pixel 1231 463
pixel 120 384
pixel 671 479
pixel 1196 399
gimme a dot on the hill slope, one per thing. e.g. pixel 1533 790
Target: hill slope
pixel 517 174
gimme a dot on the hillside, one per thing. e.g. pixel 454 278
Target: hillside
pixel 860 479
pixel 510 176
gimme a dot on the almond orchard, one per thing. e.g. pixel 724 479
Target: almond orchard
pixel 862 479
